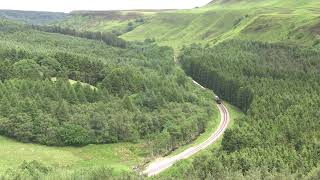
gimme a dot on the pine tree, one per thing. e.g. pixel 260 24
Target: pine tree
pixel 128 104
pixel 5 106
pixel 80 92
pixel 62 111
pixel 72 96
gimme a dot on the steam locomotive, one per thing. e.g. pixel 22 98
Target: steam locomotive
pixel 218 100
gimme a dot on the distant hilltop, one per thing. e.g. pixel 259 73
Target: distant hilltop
pixel 127 10
pixel 33 17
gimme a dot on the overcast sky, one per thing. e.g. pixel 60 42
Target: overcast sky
pixel 70 5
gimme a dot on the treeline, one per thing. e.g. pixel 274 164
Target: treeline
pixel 278 137
pixel 108 38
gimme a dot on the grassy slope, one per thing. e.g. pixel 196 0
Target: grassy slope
pixel 268 20
pixel 271 21
pixel 120 156
pixel 107 21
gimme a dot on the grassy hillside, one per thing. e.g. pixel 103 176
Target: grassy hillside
pixel 118 22
pixel 270 21
pixel 33 17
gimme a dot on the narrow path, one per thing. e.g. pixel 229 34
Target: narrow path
pixel 161 165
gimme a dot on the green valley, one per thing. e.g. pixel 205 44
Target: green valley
pixel 228 90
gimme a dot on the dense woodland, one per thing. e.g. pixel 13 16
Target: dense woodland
pixel 279 136
pixel 108 38
pixel 122 95
pixel 214 77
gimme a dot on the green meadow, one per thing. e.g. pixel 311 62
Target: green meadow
pixel 120 156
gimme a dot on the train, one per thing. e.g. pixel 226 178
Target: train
pixel 218 100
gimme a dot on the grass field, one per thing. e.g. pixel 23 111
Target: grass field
pixel 121 156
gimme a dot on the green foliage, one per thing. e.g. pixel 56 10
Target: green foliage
pixel 108 38
pixel 5 69
pixel 37 171
pixel 278 138
pixel 95 173
pixel 124 79
pixel 27 170
pixel 315 174
pixel 195 62
pixel 125 95
pixel 27 69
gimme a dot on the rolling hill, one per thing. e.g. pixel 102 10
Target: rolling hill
pixel 270 21
pixel 33 17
